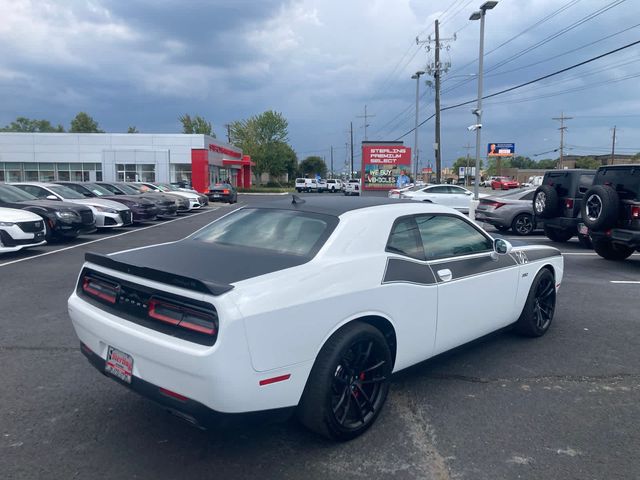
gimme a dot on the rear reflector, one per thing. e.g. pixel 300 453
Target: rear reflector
pixel 281 378
pixel 635 211
pixel 225 192
pixel 174 395
pixel 568 203
pixel 100 289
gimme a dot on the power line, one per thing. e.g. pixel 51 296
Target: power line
pixel 544 41
pixel 510 89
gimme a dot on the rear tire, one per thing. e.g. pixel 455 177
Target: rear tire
pixel 523 224
pixel 348 384
pixel 545 202
pixel 558 235
pixel 538 311
pixel 585 241
pixel 611 251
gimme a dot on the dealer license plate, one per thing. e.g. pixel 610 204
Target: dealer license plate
pixel 216 195
pixel 583 229
pixel 119 364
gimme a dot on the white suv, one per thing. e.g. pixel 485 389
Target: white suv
pixel 352 187
pixel 20 229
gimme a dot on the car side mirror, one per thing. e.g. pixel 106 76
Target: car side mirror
pixel 87 194
pixel 52 197
pixel 468 193
pixel 501 247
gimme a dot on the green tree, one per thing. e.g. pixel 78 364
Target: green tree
pixel 132 129
pixel 522 162
pixel 313 165
pixel 588 162
pixel 547 163
pixel 196 124
pixel 83 123
pixel 24 124
pixel 264 137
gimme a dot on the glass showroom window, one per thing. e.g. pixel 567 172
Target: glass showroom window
pixel 180 173
pixel 146 172
pixel 31 172
pixel 126 172
pixel 62 171
pixel 13 172
pixel 46 172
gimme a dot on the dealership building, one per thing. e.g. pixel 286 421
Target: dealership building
pixel 197 159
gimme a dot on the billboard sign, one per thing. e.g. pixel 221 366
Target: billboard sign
pixel 501 149
pixel 382 164
pixel 464 171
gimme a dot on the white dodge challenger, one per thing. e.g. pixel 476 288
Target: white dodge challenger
pixel 305 305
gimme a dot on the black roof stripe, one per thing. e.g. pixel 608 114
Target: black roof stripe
pixel 330 205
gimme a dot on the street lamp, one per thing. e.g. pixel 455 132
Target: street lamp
pixel 416 76
pixel 479 15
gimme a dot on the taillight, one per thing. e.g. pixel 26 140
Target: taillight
pixel 101 289
pixel 568 203
pixel 635 211
pixel 225 192
pixel 491 203
pixel 182 317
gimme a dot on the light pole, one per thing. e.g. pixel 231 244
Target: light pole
pixel 479 15
pixel 416 76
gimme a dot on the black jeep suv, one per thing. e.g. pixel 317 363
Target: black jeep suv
pixel 611 210
pixel 557 203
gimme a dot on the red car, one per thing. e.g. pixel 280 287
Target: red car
pixel 503 183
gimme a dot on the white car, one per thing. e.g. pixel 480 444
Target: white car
pixel 352 187
pixel 108 213
pixel 452 196
pixel 195 202
pixel 20 229
pixel 305 305
pixel 396 192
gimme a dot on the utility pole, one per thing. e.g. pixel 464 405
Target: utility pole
pixel 613 146
pixel 228 127
pixel 331 161
pixel 365 116
pixel 466 173
pixel 562 128
pixel 436 69
pixel 351 172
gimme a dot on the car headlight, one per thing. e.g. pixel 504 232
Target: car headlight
pixel 100 208
pixel 67 215
pixel 7 224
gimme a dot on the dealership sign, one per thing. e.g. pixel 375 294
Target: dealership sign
pixel 224 151
pixel 382 164
pixel 501 149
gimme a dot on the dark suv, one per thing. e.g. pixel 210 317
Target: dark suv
pixel 611 210
pixel 557 203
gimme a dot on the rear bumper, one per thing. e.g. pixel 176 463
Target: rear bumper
pixel 491 218
pixel 629 238
pixel 219 197
pixel 185 408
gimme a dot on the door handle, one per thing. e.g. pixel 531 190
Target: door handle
pixel 445 274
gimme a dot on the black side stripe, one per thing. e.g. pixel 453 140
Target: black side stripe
pixel 399 270
pixel 468 267
pixel 535 254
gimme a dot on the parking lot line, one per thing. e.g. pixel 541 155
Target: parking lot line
pixel 626 282
pixel 107 238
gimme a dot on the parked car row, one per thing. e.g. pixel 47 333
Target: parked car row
pixel 332 185
pixel 33 213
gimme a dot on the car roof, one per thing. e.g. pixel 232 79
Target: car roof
pixel 332 205
pixel 37 184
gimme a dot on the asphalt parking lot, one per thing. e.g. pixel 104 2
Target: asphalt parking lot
pixel 563 406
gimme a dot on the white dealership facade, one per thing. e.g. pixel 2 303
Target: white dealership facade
pixel 118 157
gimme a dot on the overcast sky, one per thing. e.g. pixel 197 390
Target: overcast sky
pixel 144 62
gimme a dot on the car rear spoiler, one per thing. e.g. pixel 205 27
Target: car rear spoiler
pixel 202 286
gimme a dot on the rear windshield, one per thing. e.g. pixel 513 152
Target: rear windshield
pixel 66 192
pixel 281 231
pixel 626 181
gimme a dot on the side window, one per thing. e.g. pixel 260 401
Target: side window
pixel 448 236
pixel 584 183
pixel 35 191
pixel 405 239
pixel 438 189
pixel 528 196
pixel 457 190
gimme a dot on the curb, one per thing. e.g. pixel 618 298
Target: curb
pixel 270 193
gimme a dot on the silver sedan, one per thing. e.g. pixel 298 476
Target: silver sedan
pixel 511 211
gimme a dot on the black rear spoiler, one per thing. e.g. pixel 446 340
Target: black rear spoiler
pixel 202 286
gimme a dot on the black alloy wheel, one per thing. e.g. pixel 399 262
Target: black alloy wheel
pixel 523 224
pixel 349 383
pixel 540 306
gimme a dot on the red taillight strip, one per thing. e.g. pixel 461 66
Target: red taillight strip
pixel 198 328
pixel 181 322
pixel 171 394
pixel 268 381
pixel 86 286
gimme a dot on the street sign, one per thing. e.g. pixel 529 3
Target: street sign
pixel 467 171
pixel 501 149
